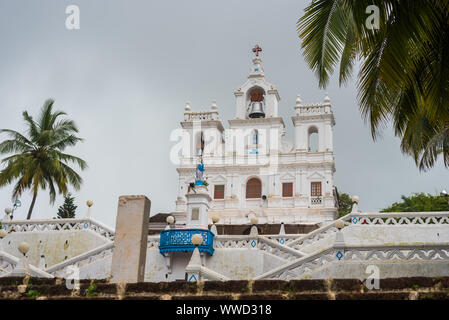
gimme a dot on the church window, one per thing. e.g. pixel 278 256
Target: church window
pixel 219 191
pixel 287 189
pixel 315 189
pixel 253 189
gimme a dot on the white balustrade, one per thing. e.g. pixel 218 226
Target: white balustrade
pixel 40 225
pixel 201 115
pixel 416 252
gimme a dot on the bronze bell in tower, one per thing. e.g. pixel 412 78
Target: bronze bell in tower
pixel 256 109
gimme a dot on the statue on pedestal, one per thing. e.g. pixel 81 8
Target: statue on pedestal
pixel 199 173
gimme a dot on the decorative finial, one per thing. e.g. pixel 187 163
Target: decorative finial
pixel 339 224
pixel 23 247
pixel 214 105
pixel 355 204
pixel 254 220
pixel 326 98
pixel 298 100
pixel 187 107
pixel 170 220
pixel 257 49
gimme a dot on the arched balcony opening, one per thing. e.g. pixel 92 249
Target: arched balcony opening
pixel 313 139
pixel 256 103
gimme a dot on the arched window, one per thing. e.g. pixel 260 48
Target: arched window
pixel 253 189
pixel 313 139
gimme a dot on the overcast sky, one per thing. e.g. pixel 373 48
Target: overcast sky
pixel 125 76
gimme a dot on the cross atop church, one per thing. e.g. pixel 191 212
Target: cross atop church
pixel 257 49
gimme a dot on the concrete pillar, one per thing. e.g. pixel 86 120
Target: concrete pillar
pixel 130 244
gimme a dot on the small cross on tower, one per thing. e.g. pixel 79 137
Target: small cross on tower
pixel 257 49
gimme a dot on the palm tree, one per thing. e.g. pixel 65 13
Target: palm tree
pixel 39 160
pixel 404 71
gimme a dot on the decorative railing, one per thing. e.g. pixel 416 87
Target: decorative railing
pixel 181 240
pixel 100 253
pixel 404 253
pixel 92 256
pixel 8 262
pixel 233 241
pixel 59 225
pixel 362 219
pixel 201 115
pixel 317 234
pixel 316 200
pixel 205 273
pixel 257 242
pixel 313 108
pixel 283 238
pixel 277 249
pixel 403 218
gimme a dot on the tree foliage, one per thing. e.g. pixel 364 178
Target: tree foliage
pixel 404 73
pixel 38 160
pixel 344 204
pixel 419 202
pixel 68 208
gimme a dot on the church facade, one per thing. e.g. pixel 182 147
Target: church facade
pixel 252 170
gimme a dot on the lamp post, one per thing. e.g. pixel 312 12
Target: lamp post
pixel 10 211
pixel 193 268
pixel 89 204
pixel 253 231
pixel 170 220
pixel 213 228
pixel 339 243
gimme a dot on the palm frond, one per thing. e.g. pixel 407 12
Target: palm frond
pixel 323 29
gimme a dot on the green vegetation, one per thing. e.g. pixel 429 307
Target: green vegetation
pixel 33 293
pixel 67 210
pixel 419 202
pixel 344 204
pixel 90 291
pixel 404 65
pixel 39 161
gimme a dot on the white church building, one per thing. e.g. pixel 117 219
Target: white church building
pixel 245 198
pixel 251 169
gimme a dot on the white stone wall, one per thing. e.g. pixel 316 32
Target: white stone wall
pixel 56 246
pixel 352 270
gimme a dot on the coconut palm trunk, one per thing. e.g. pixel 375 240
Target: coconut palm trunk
pixel 30 211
